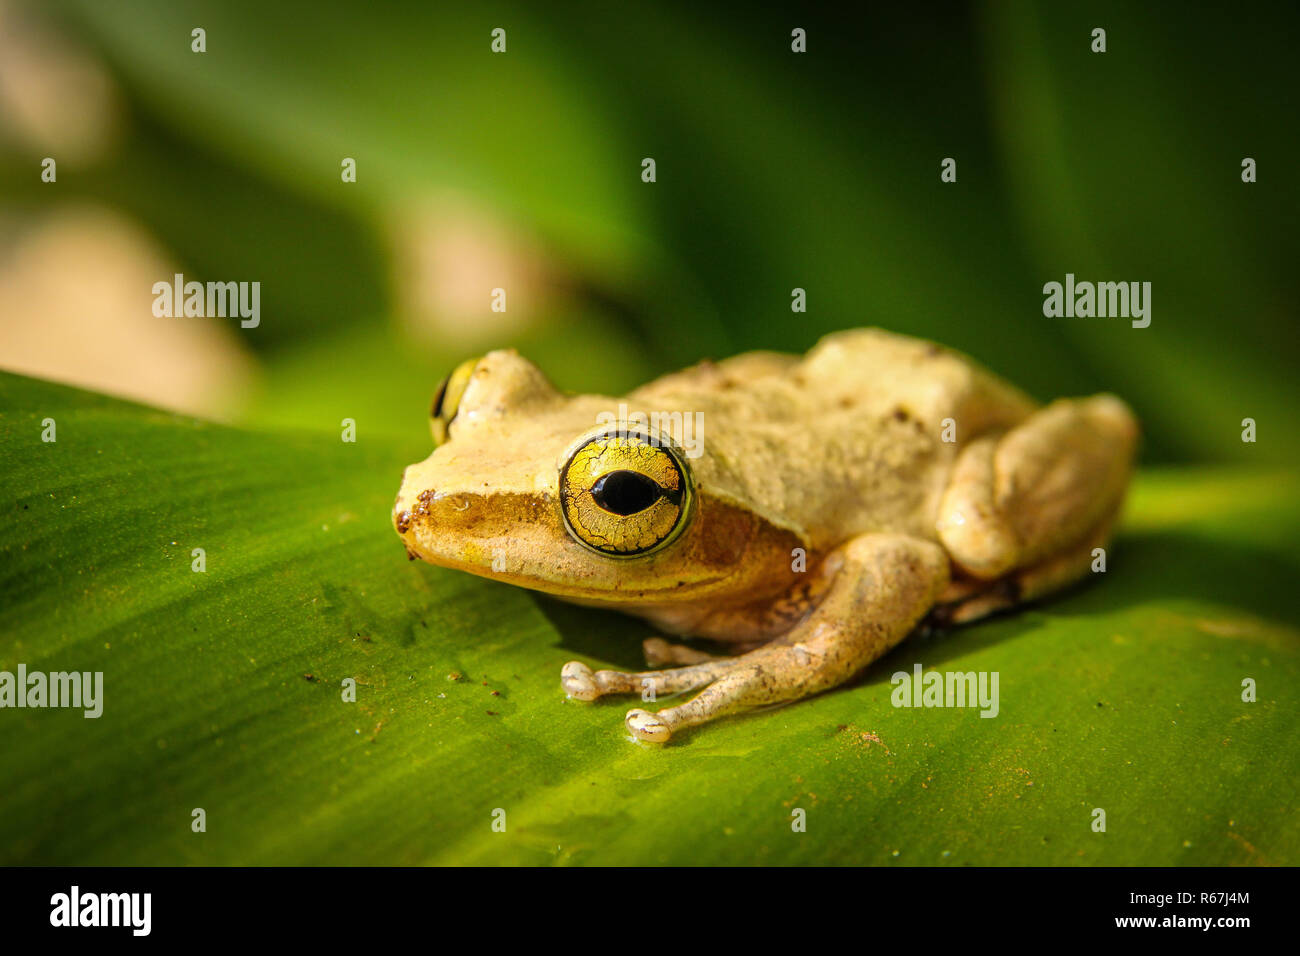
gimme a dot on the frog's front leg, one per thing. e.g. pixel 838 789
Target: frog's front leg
pixel 581 682
pixel 880 585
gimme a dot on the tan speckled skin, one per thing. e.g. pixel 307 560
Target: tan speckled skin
pixel 840 453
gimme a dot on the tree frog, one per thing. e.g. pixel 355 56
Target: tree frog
pixel 826 507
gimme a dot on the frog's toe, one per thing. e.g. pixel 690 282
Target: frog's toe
pixel 647 726
pixel 578 681
pixel 660 653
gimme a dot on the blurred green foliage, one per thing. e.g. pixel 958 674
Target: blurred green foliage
pixel 775 170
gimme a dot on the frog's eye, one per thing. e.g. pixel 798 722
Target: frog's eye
pixel 625 494
pixel 447 402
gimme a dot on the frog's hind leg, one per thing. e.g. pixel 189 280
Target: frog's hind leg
pixel 971 599
pixel 1019 499
pixel 1025 510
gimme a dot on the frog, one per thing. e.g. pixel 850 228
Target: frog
pixel 831 505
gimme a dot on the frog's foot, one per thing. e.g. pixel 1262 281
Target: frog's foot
pixel 1027 584
pixel 660 653
pixel 882 585
pixel 580 681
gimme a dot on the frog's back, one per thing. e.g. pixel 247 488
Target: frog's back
pixel 845 440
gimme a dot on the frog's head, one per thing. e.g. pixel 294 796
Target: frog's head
pixel 544 490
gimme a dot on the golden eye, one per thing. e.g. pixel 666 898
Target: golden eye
pixel 447 401
pixel 625 494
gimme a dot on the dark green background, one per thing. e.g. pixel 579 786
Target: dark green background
pixel 775 170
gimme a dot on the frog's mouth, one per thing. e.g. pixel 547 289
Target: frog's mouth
pixel 520 538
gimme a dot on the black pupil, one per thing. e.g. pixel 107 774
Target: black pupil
pixel 626 492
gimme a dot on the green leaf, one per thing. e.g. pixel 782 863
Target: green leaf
pixel 222 689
